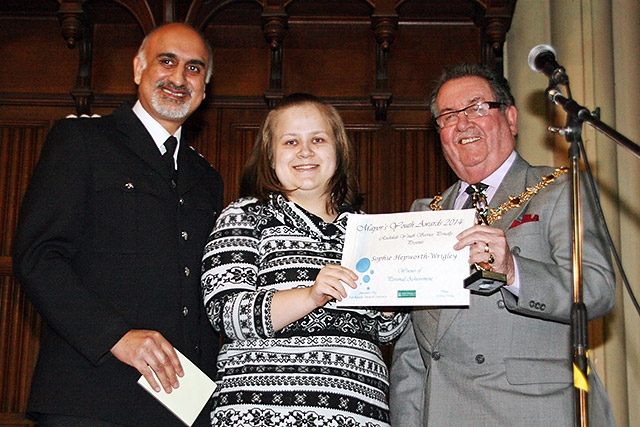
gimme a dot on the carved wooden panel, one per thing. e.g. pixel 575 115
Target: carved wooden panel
pixel 20 329
pixel 392 161
pixel 225 136
pixel 20 325
pixel 28 71
pixel 20 145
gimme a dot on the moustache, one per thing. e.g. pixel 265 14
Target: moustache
pixel 171 86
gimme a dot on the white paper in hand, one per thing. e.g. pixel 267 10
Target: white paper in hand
pixel 186 401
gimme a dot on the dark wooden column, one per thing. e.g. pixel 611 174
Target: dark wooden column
pixel 274 25
pixel 76 30
pixel 495 20
pixel 385 26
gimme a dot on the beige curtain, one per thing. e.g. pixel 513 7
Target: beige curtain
pixel 598 42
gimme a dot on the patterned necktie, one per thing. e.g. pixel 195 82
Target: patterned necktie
pixel 475 191
pixel 170 144
pixel 477 199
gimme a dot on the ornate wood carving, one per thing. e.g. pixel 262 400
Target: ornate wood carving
pixel 274 25
pixel 83 94
pixel 76 31
pixel 72 21
pixel 385 27
pixel 494 18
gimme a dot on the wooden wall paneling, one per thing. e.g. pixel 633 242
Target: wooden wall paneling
pixel 114 49
pixel 79 33
pixel 241 53
pixel 146 13
pixel 240 61
pixel 330 59
pixel 385 27
pixel 495 20
pixel 37 60
pixel 20 145
pixel 20 330
pixel 394 159
pixel 363 139
pixel 225 136
pixel 421 50
pixel 408 164
pixel 424 171
pixel 397 162
pixel 20 325
pixel 274 26
pixel 244 139
pixel 201 13
pixel 414 164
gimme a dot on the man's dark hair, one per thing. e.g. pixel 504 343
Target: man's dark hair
pixel 498 83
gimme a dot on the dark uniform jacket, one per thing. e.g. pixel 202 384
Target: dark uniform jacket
pixel 106 243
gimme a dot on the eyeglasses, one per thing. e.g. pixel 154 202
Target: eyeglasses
pixel 481 109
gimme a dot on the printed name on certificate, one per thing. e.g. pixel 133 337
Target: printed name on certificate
pixel 407 259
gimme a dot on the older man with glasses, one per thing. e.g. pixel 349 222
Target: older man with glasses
pixel 505 360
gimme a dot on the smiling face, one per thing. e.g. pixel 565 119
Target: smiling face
pixel 475 148
pixel 304 153
pixel 170 72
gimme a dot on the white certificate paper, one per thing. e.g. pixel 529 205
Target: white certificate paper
pixel 407 259
pixel 186 401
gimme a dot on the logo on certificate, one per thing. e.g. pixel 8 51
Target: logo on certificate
pixel 407 294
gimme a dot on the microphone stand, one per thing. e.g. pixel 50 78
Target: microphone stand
pixel 582 114
pixel 576 115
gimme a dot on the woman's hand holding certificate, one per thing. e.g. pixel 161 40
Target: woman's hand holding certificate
pixel 407 259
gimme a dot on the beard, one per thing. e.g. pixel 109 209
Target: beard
pixel 169 108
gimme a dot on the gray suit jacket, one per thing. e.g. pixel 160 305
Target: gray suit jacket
pixel 506 360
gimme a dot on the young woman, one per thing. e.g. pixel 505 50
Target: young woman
pixel 272 276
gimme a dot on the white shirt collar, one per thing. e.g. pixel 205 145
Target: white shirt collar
pixel 494 180
pixel 155 129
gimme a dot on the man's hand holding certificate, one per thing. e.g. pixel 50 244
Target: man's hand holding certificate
pixel 407 259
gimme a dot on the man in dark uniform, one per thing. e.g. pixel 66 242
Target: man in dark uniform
pixel 109 245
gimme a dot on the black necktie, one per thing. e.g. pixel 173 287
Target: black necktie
pixel 474 191
pixel 170 144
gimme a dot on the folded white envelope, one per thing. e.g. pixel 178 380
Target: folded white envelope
pixel 186 401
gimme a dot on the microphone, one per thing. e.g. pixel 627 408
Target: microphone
pixel 542 59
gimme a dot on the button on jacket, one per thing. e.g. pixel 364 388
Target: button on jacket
pixel 100 250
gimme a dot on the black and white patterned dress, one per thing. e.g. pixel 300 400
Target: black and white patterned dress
pixel 325 369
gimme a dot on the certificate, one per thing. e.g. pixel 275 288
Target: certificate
pixel 407 259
